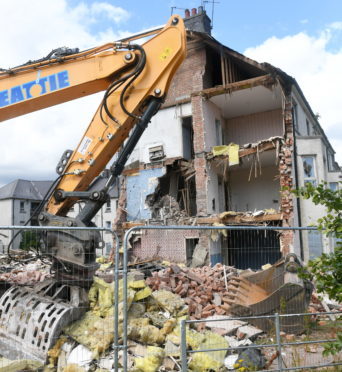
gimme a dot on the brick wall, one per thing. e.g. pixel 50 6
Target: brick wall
pixel 189 77
pixel 286 172
pixel 166 245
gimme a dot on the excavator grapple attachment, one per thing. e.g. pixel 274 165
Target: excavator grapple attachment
pixel 276 289
pixel 32 320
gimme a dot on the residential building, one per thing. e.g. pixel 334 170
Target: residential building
pixel 176 176
pixel 20 198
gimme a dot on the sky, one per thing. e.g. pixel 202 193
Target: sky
pixel 303 38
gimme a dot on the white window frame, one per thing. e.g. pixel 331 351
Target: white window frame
pixel 309 179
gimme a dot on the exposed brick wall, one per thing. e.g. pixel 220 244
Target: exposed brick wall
pixel 189 77
pixel 286 172
pixel 164 244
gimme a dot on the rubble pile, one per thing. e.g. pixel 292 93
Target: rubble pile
pixel 17 272
pixel 204 289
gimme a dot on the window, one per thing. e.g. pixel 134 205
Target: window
pixel 116 204
pixel 309 170
pixel 331 161
pixel 108 226
pixel 308 127
pixel 315 244
pixel 333 186
pixel 22 207
pixel 108 205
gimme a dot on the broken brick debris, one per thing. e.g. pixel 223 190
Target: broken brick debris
pixel 203 288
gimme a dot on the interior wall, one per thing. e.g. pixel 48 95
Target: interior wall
pixel 253 128
pixel 262 192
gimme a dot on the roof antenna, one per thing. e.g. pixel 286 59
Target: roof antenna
pixel 175 7
pixel 212 2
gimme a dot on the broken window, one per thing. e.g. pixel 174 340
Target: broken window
pixel 309 170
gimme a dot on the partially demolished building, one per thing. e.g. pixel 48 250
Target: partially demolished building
pixel 230 139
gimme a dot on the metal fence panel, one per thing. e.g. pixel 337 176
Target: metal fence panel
pixel 37 304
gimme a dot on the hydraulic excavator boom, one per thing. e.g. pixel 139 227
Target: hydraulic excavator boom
pixel 135 79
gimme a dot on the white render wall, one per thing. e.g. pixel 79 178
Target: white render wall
pixel 256 194
pixel 313 146
pixel 165 129
pixel 6 216
pixel 211 113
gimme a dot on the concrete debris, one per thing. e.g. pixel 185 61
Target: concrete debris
pixel 219 321
pixel 199 256
pixel 233 342
pixel 248 332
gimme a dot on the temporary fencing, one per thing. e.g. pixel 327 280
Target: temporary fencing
pixel 295 305
pixel 43 310
pixel 35 309
pixel 303 352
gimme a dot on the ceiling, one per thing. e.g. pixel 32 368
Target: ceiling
pixel 248 101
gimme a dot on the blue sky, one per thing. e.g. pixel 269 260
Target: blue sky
pixel 303 37
pixel 238 24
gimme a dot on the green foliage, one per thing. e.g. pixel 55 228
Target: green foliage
pixel 29 241
pixel 326 270
pixel 333 348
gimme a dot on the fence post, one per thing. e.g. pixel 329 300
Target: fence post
pixel 116 303
pixel 183 346
pixel 277 327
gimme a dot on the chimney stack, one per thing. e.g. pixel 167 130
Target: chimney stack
pixel 197 20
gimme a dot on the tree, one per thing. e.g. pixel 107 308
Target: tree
pixel 326 270
pixel 30 240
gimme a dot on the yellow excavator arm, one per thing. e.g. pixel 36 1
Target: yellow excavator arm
pixel 135 79
pixel 131 76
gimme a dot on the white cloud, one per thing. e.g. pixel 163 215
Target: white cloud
pixel 317 70
pixel 31 145
pixel 112 12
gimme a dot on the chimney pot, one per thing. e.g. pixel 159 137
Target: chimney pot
pixel 187 13
pixel 200 9
pixel 193 11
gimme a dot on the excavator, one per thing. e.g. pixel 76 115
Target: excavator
pixel 135 79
